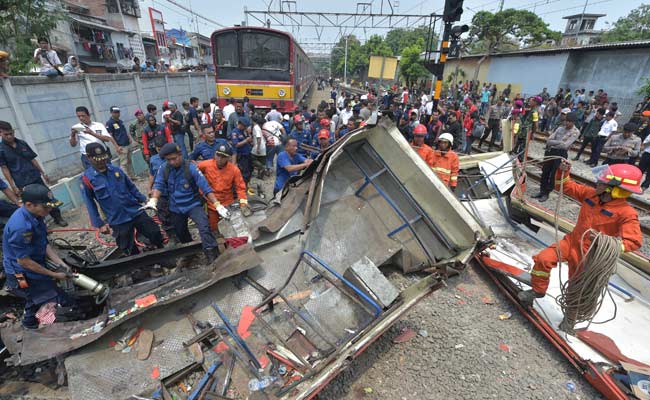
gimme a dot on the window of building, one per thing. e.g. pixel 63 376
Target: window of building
pixel 572 25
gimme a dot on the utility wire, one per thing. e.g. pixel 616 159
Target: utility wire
pixel 195 14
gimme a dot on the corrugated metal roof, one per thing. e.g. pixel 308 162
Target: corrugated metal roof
pixel 590 47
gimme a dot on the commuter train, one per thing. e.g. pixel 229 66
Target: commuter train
pixel 265 65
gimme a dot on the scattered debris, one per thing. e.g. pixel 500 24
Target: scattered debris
pixel 423 333
pixel 505 316
pixel 406 335
pixel 487 300
pixel 504 347
pixel 155 373
pixel 144 344
pixel 459 346
pixel 571 387
pixel 367 390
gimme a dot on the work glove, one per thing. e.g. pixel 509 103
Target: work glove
pixel 245 209
pixel 223 211
pixel 151 204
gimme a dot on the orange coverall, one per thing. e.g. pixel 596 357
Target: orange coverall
pixel 222 181
pixel 615 218
pixel 446 166
pixel 425 151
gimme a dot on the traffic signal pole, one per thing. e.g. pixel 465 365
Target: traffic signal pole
pixel 444 50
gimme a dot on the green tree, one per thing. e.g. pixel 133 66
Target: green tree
pixel 400 38
pixel 376 46
pixel 644 90
pixel 20 22
pixel 411 65
pixel 635 26
pixel 497 31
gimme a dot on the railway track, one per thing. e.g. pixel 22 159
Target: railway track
pixel 642 207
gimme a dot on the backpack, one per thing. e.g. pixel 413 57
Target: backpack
pixel 478 129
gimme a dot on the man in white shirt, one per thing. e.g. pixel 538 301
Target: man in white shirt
pixel 47 59
pixel 87 131
pixel 229 109
pixel 274 114
pixel 259 147
pixel 273 131
pixel 609 126
pixel 345 114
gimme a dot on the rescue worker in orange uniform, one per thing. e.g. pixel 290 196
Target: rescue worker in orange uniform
pixel 223 176
pixel 445 161
pixel 425 151
pixel 604 209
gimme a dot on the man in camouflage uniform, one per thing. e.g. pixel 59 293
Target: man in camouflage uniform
pixel 528 125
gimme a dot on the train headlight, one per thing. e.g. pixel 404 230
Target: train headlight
pixel 282 93
pixel 226 91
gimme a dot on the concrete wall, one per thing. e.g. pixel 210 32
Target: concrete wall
pixel 468 65
pixel 528 74
pixel 42 110
pixel 619 73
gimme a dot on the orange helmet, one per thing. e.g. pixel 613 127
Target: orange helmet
pixel 420 130
pixel 625 176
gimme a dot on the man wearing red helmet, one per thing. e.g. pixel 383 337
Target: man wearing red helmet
pixel 423 150
pixel 604 209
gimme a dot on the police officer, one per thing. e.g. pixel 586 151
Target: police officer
pixel 119 199
pixel 20 167
pixel 205 150
pixel 182 180
pixel 117 129
pixel 25 248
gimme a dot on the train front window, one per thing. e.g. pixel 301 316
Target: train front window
pixel 264 50
pixel 227 54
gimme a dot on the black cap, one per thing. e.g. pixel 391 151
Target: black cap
pixel 169 148
pixel 571 117
pixel 224 150
pixel 244 121
pixel 39 194
pixel 630 127
pixel 96 151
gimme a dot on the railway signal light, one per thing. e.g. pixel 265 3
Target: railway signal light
pixel 453 10
pixel 454 44
pixel 458 30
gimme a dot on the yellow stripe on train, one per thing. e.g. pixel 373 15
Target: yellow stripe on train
pixel 280 92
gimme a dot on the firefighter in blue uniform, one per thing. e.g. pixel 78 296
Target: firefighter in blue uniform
pixel 119 199
pixel 182 180
pixel 25 248
pixel 205 149
pixel 301 134
pixel 242 141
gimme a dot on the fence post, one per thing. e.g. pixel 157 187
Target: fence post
pixel 167 87
pixel 207 86
pixel 18 113
pixel 189 82
pixel 139 93
pixel 94 107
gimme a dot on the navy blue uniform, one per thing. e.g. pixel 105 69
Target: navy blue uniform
pixel 6 208
pixel 281 174
pixel 120 201
pixel 25 236
pixel 244 160
pixel 185 201
pixel 117 129
pixel 205 150
pixel 302 137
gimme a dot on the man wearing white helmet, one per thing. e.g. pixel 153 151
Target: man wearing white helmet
pixel 445 161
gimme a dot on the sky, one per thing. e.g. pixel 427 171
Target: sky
pixel 230 13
